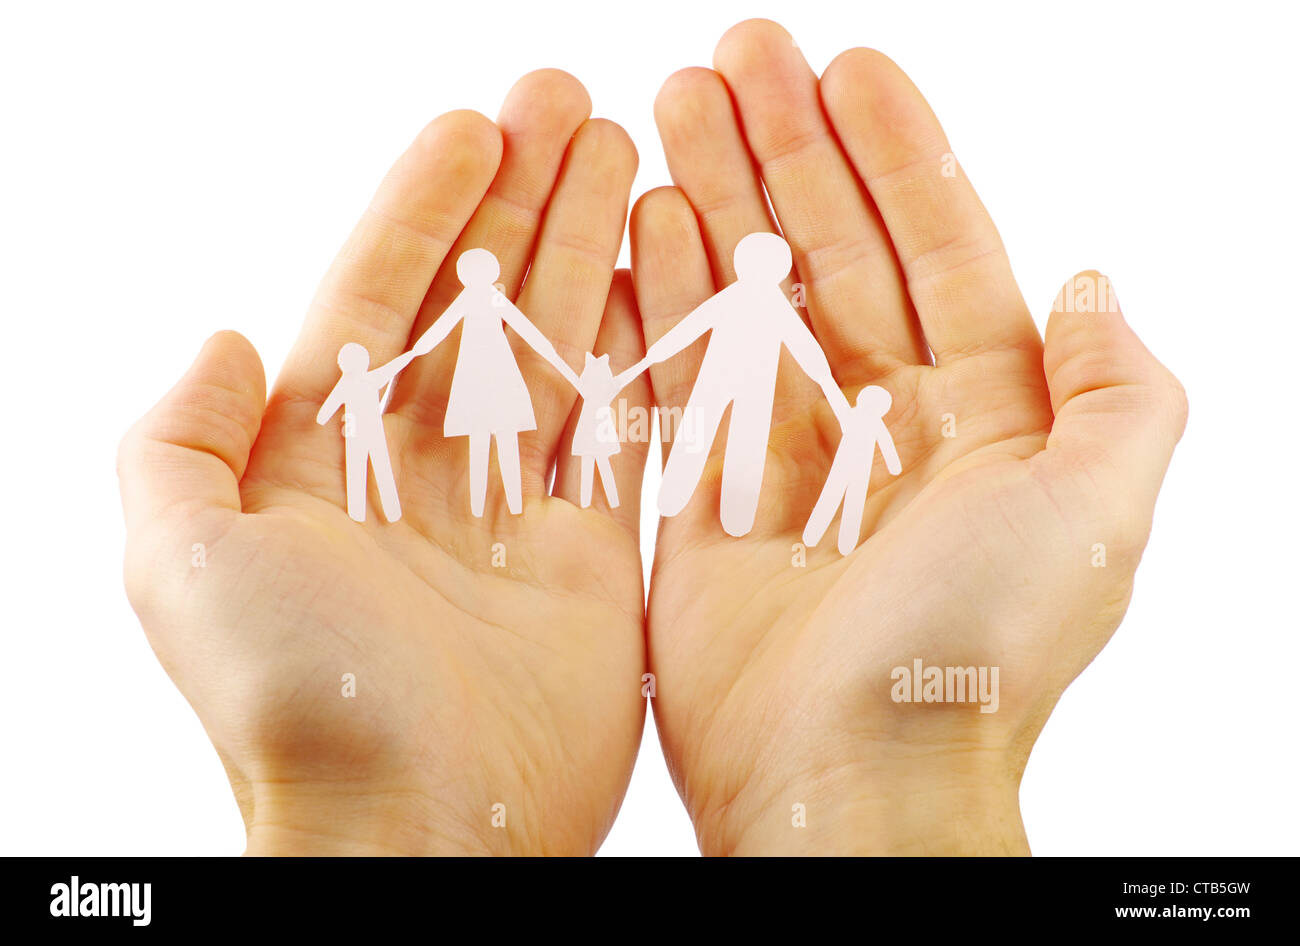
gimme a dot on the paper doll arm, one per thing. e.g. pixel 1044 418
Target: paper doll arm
pixel 385 373
pixel 626 377
pixel 810 357
pixel 538 342
pixel 888 450
pixel 332 403
pixel 692 325
pixel 437 333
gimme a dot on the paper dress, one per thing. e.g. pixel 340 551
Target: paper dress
pixel 595 436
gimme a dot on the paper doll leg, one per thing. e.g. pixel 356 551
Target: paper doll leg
pixel 829 500
pixel 607 481
pixel 354 461
pixel 511 479
pixel 479 445
pixel 385 482
pixel 742 468
pixel 687 456
pixel 855 501
pixel 588 474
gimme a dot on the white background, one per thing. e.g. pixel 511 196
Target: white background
pixel 168 170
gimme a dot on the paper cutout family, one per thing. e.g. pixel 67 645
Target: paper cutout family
pixel 750 321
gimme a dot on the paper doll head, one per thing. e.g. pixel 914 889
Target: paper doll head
pixel 353 358
pixel 762 257
pixel 874 400
pixel 477 268
pixel 597 366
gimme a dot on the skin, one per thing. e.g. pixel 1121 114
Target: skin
pixel 522 686
pixel 475 685
pixel 774 678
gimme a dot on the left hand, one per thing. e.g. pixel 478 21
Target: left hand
pixel 495 661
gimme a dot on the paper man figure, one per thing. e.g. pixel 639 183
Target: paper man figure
pixel 595 436
pixel 850 474
pixel 750 320
pixel 357 392
pixel 488 396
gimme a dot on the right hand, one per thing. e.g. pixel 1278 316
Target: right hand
pixel 774 676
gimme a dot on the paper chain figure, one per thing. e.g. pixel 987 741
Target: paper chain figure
pixel 750 321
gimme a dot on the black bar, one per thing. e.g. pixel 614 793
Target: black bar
pixel 440 897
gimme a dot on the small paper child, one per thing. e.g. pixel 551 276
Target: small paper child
pixel 595 437
pixel 364 444
pixel 850 473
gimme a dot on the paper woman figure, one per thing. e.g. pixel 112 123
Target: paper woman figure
pixel 595 436
pixel 750 321
pixel 488 396
pixel 357 392
pixel 850 473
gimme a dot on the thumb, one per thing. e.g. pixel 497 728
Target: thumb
pixel 1119 411
pixel 187 454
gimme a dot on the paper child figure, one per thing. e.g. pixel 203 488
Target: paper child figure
pixel 850 473
pixel 750 321
pixel 357 392
pixel 488 396
pixel 595 436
